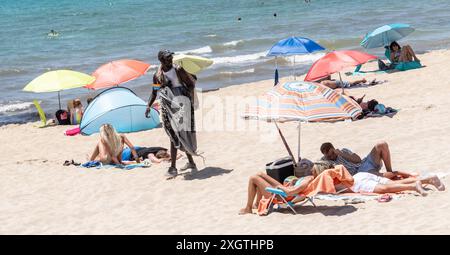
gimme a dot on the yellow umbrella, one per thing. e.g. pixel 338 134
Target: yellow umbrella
pixel 192 64
pixel 55 81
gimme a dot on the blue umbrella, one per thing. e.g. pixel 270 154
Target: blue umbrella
pixel 293 46
pixel 386 34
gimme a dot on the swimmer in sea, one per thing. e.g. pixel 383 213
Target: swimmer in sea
pixel 53 33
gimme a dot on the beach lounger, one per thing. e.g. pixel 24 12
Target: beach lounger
pixel 280 197
pixel 41 114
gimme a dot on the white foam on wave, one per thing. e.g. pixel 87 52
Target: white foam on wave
pixel 15 106
pixel 240 58
pixel 202 50
pixel 211 35
pixel 233 43
pixel 251 70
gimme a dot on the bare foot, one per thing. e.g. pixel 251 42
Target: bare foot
pixel 419 189
pixel 245 211
pixel 436 182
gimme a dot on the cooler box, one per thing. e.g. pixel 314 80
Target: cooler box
pixel 280 168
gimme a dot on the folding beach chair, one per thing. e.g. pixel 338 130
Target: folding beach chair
pixel 280 197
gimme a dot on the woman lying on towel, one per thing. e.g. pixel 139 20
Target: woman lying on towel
pixel 154 154
pixel 109 148
pixel 325 178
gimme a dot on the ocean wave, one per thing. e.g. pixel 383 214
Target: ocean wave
pixel 11 71
pixel 227 75
pixel 211 35
pixel 240 58
pixel 246 71
pixel 15 106
pixel 202 50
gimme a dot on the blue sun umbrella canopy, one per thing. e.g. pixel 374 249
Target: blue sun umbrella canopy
pixel 121 108
pixel 294 46
pixel 385 35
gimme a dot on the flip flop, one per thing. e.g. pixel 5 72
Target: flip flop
pixel 66 163
pixel 384 198
pixel 75 163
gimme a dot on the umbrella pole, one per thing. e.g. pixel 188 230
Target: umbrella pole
pixel 294 69
pixel 59 100
pixel 298 148
pixel 286 145
pixel 340 78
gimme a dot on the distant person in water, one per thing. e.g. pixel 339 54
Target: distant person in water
pixel 52 33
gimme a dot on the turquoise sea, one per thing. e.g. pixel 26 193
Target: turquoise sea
pixel 95 32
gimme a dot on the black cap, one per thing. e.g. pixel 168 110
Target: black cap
pixel 164 54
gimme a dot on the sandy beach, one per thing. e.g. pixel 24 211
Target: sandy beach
pixel 38 195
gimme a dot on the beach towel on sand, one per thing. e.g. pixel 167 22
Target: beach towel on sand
pixel 99 165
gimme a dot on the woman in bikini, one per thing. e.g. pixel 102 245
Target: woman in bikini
pixel 109 148
pixel 402 54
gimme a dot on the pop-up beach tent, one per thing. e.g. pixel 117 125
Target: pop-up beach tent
pixel 119 107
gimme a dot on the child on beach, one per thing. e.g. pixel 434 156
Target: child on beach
pixel 76 113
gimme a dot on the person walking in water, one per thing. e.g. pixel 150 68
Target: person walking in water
pixel 176 90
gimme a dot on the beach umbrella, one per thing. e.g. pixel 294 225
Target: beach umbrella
pixel 386 34
pixel 335 61
pixel 303 102
pixel 117 72
pixel 192 64
pixel 290 47
pixel 55 81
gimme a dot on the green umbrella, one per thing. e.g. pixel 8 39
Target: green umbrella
pixel 55 81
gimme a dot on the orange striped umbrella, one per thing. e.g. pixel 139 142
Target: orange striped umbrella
pixel 304 102
pixel 117 72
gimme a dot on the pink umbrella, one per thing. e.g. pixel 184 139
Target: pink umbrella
pixel 117 72
pixel 335 61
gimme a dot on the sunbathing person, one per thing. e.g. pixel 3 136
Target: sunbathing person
pixel 353 163
pixel 154 154
pixel 372 106
pixel 109 148
pixel 326 178
pixel 402 54
pixel 321 177
pixel 334 84
pixel 371 183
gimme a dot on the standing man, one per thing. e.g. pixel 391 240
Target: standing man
pixel 176 88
